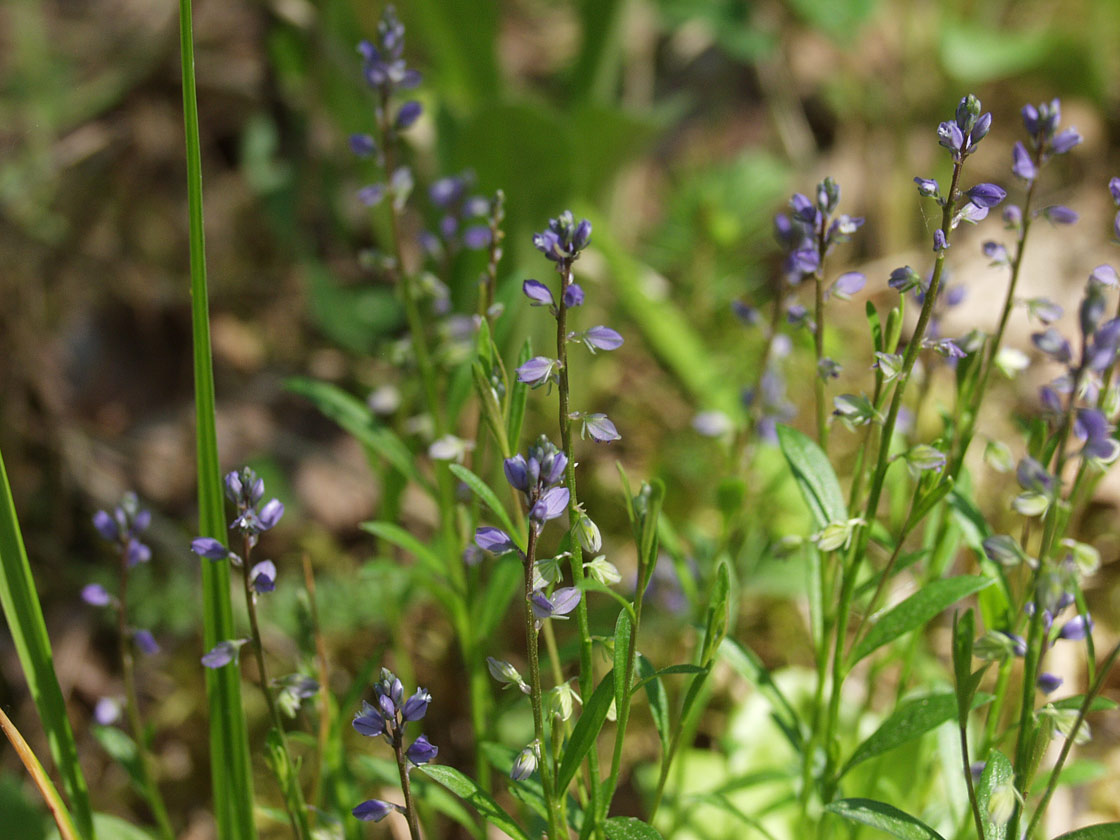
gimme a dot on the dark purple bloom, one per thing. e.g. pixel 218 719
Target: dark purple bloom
pixel 1059 215
pixel 145 641
pixel 564 239
pixel 494 540
pixel 369 721
pixel 950 136
pixel 137 553
pixel 1053 345
pixel 904 279
pixel 1021 163
pixel 371 196
pixel 416 706
pixel 573 296
pixel 209 548
pixel 745 312
pixel 1049 683
pixel 362 145
pixel 408 114
pixel 96 595
pixel 1033 476
pixel 803 261
pixel 374 810
pixel 540 370
pixel 538 293
pixel 1114 190
pixel 940 243
pixel 796 314
pixel 1064 141
pixel 803 209
pixel 422 751
pixel 986 195
pixel 601 338
pixel 517 473
pixel 1051 402
pixel 927 187
pixel 262 577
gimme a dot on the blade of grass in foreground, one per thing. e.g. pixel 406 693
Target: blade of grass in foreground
pixel 29 633
pixel 230 767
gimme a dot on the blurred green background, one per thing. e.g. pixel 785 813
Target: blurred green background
pixel 678 126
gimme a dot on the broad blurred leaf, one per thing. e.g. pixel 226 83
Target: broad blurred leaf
pixel 629 828
pixel 997 772
pixel 355 317
pixel 1103 831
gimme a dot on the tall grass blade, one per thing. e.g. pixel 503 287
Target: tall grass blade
pixel 229 741
pixel 29 633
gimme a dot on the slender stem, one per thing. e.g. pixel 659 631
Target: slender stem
pixel 863 532
pixel 1091 695
pixel 292 795
pixel 132 706
pixel 323 665
pixel 977 818
pixel 555 820
pixel 406 789
pixel 586 666
pixel 42 781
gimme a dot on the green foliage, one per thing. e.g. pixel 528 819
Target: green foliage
pixel 886 818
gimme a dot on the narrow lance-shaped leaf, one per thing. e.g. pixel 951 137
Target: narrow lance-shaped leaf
pixel 481 489
pixel 884 817
pixel 467 790
pixel 814 476
pixel 630 828
pixel 998 773
pixel 1101 831
pixel 586 730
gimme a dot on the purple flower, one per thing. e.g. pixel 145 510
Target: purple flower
pixel 562 602
pixel 494 540
pixel 1049 683
pixel 995 252
pixel 940 243
pixel 564 239
pixel 1053 345
pixel 1059 215
pixel 422 751
pixel 927 187
pixel 986 195
pixel 476 237
pixel 1021 163
pixel 96 595
pixel 1064 141
pixel 137 553
pixel 107 711
pixel 106 525
pixel 950 136
pixel 1077 628
pixel 145 641
pixel 362 145
pixel 573 296
pixel 600 427
pixel 904 279
pixel 262 577
pixel 970 213
pixel 416 706
pixel 538 293
pixel 1114 190
pixel 601 338
pixel 1044 309
pixel 1033 476
pixel 551 504
pixel 408 114
pixel 517 472
pixel 371 196
pixel 538 371
pixel 1104 276
pixel 209 548
pixel 270 514
pixel 848 284
pixel 223 653
pixel 374 810
pixel 369 721
pixel 803 261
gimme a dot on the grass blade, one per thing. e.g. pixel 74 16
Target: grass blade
pixel 230 768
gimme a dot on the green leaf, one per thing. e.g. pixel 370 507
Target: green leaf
pixel 715 623
pixel 1099 704
pixel 814 476
pixel 519 396
pixel 489 498
pixel 122 749
pixel 355 417
pixel 499 591
pixel 839 19
pixel 916 611
pixel 884 817
pixel 586 730
pixel 910 720
pixel 630 828
pixel 671 669
pixel 354 317
pixel 466 789
pixel 997 772
pixel 623 629
pixel 875 325
pixel 964 678
pixel 1101 831
pixel 658 701
pixel 750 666
pixel 25 620
pixel 978 53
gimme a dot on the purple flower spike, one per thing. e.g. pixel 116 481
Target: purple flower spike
pixel 106 526
pixel 986 195
pixel 1077 628
pixel 538 293
pixel 1049 683
pixel 222 654
pixel 96 595
pixel 422 751
pixel 573 296
pixel 1021 164
pixel 1059 215
pixel 408 114
pixel 270 514
pixel 374 810
pixel 262 577
pixel 362 145
pixel 416 706
pixel 600 427
pixel 551 505
pixel 369 721
pixel 209 548
pixel 602 338
pixel 849 284
pixel 145 641
pixel 494 540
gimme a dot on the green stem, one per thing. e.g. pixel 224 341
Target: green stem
pixel 132 706
pixel 42 781
pixel 977 818
pixel 406 789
